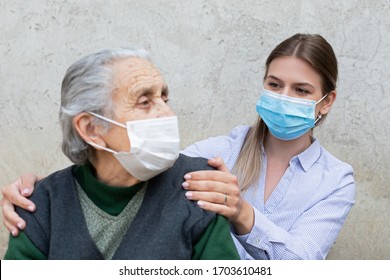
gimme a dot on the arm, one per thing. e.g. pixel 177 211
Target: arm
pixel 311 235
pixel 22 248
pixel 15 194
pixel 307 233
pixel 216 243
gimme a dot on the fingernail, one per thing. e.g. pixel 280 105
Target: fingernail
pixel 26 191
pixel 188 194
pixel 185 185
pixel 187 176
pixel 20 225
pixel 200 203
pixel 13 233
pixel 31 208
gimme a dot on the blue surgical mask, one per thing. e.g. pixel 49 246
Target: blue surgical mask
pixel 286 117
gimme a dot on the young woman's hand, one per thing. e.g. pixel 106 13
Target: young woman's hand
pixel 218 191
pixel 15 194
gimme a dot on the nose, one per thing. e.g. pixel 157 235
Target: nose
pixel 282 90
pixel 163 109
pixel 285 91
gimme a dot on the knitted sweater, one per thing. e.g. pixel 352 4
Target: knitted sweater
pixel 167 225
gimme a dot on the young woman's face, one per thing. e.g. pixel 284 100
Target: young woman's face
pixel 293 77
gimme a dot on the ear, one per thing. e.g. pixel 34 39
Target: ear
pixel 328 102
pixel 89 132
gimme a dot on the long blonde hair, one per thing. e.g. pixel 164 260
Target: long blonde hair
pixel 316 51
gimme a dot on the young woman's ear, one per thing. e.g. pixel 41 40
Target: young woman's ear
pixel 327 103
pixel 89 132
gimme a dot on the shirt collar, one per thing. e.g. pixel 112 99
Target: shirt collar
pixel 309 156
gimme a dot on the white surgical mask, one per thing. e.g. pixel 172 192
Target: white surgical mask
pixel 155 146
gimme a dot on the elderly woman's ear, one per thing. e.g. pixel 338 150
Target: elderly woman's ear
pixel 89 132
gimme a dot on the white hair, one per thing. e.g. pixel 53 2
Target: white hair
pixel 87 87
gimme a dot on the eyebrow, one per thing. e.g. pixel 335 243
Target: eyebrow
pixel 149 91
pixel 144 91
pixel 298 84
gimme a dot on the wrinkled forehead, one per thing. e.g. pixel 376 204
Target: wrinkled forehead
pixel 132 71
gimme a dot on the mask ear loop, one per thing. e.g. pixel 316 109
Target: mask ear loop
pixel 319 101
pixel 106 119
pixel 101 147
pixel 318 120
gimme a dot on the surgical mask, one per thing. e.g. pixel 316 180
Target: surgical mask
pixel 286 117
pixel 155 146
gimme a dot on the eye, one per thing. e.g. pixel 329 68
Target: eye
pixel 164 95
pixel 274 85
pixel 143 102
pixel 302 91
pixel 165 98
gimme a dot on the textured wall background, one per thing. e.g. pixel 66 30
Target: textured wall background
pixel 212 55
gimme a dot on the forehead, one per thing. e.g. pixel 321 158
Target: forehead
pixel 294 70
pixel 135 71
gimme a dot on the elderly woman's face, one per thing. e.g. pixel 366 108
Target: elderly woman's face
pixel 140 92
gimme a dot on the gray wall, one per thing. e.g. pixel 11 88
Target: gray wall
pixel 212 55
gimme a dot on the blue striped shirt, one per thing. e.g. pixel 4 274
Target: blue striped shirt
pixel 303 216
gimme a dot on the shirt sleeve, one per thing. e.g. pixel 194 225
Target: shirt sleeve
pixel 216 243
pixel 310 237
pixel 202 149
pixel 22 248
pixel 225 146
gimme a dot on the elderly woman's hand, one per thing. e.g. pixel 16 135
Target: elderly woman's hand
pixel 218 191
pixel 15 194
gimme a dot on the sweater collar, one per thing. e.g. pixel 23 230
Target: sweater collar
pixel 110 199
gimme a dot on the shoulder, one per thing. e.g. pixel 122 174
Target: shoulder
pixel 321 159
pixel 218 144
pixel 166 188
pixel 171 180
pixel 329 161
pixel 53 183
pixel 338 174
pixel 188 164
pixel 49 195
pixel 58 176
pixel 53 187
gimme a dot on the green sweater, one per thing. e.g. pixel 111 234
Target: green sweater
pixel 113 200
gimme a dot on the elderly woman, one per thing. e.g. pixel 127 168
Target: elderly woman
pixel 122 199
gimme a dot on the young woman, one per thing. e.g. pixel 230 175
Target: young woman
pixel 285 195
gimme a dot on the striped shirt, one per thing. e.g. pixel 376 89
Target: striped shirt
pixel 303 216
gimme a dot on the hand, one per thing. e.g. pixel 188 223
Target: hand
pixel 219 191
pixel 15 194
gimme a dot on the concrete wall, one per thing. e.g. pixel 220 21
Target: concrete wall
pixel 212 55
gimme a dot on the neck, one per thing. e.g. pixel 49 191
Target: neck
pixel 110 172
pixel 285 150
